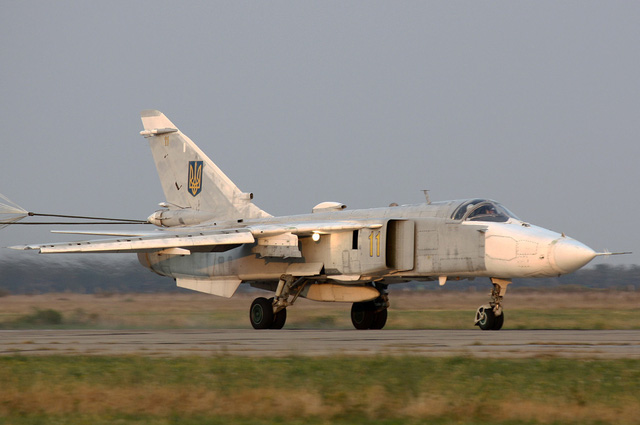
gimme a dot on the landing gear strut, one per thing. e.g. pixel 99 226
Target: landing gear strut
pixel 490 317
pixel 272 313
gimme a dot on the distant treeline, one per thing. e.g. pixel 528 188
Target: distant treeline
pixel 38 274
pixel 35 274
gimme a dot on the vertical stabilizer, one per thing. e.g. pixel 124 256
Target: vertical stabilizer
pixel 189 178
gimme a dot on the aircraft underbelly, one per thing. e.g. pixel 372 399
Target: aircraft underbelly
pixel 238 263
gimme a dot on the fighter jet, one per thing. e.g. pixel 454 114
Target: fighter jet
pixel 212 238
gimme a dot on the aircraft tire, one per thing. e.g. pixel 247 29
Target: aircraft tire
pixel 379 319
pixel 499 321
pixel 279 319
pixel 363 315
pixel 489 321
pixel 261 313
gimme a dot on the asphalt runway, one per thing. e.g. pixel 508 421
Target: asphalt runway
pixel 475 343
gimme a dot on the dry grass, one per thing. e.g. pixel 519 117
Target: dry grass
pixel 400 389
pixel 415 310
pixel 517 299
pixel 264 403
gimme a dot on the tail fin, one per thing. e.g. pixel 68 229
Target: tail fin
pixel 189 178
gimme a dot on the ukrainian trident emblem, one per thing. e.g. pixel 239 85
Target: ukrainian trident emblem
pixel 195 177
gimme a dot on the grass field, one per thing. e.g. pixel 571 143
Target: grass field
pixel 426 310
pixel 336 390
pixel 366 390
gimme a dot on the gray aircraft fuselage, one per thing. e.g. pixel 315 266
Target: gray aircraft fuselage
pixel 415 242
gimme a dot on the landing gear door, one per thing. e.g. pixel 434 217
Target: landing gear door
pixel 400 244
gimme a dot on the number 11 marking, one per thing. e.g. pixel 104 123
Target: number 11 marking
pixel 377 238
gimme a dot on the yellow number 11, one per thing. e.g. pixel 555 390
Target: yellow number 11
pixel 377 238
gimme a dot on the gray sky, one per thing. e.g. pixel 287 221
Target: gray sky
pixel 534 104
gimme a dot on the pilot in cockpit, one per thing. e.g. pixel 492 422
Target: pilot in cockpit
pixel 487 210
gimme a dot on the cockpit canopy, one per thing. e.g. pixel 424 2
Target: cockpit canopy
pixel 482 210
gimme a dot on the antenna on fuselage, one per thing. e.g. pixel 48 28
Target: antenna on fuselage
pixel 426 195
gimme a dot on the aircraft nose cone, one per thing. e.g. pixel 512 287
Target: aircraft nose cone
pixel 569 255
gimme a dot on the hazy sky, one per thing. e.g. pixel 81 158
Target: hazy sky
pixel 533 104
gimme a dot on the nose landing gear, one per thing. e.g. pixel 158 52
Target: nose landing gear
pixel 490 317
pixel 487 320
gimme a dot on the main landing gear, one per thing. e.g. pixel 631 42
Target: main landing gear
pixel 490 317
pixel 272 313
pixel 262 314
pixel 371 314
pixel 367 315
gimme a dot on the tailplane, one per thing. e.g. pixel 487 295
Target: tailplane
pixel 189 178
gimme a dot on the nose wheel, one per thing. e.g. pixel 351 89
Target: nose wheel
pixel 487 320
pixel 490 317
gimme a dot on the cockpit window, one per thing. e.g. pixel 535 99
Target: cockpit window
pixel 466 207
pixel 482 210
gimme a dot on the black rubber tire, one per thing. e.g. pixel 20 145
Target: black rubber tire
pixel 498 322
pixel 279 319
pixel 379 319
pixel 261 313
pixel 362 315
pixel 487 322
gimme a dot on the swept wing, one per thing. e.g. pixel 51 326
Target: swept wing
pixel 167 240
pixel 188 239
